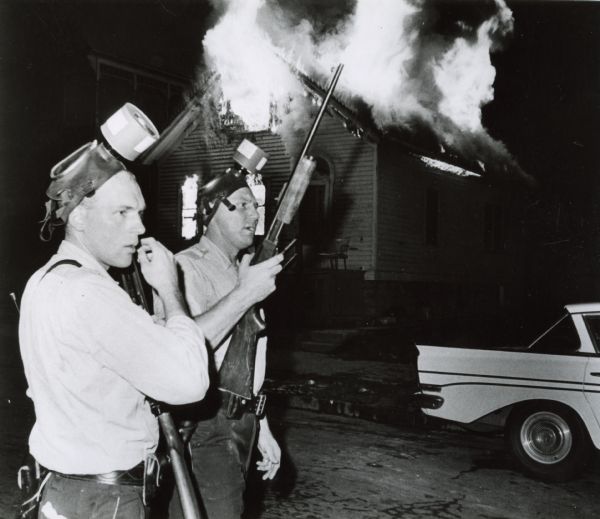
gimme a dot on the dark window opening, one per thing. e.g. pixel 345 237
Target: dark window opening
pixel 494 228
pixel 432 213
pixel 314 212
pixel 159 97
pixel 115 88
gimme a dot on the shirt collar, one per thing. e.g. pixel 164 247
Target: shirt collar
pixel 72 251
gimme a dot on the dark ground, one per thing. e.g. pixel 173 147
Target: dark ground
pixel 354 446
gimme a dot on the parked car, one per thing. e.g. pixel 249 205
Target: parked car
pixel 546 397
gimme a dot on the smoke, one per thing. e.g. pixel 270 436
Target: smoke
pixel 413 63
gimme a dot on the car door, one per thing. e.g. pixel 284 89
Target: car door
pixel 592 371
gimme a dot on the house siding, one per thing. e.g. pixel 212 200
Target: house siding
pixel 456 279
pixel 459 255
pixel 195 156
pixel 378 202
pixel 350 160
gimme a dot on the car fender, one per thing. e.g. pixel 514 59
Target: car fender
pixel 471 384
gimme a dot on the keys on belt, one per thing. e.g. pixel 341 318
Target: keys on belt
pixel 235 406
pixel 260 401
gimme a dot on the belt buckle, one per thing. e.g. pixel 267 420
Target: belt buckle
pixel 260 405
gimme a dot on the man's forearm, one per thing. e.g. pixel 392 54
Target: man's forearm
pixel 217 322
pixel 173 302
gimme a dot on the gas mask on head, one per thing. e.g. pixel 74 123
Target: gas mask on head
pixel 127 133
pixel 248 159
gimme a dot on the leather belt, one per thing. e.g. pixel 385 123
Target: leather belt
pixel 132 477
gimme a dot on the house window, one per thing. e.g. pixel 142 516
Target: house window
pixel 189 208
pixel 115 87
pixel 315 208
pixel 432 215
pixel 78 108
pixel 158 95
pixel 494 228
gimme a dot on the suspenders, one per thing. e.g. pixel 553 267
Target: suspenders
pixel 62 262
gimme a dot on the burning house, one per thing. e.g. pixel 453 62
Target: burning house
pixel 385 229
pixel 414 211
pixel 412 214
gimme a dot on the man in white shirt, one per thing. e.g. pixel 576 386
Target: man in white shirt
pixel 222 444
pixel 91 356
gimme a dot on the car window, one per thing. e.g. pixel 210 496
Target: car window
pixel 593 325
pixel 561 338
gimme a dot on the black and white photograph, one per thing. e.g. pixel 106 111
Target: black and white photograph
pixel 333 259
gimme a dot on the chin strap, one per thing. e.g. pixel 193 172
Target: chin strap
pixel 51 221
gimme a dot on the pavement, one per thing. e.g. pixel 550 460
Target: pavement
pixel 367 373
pixel 360 373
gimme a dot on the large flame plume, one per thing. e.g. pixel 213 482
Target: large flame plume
pixel 397 63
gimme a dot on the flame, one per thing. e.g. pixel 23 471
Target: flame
pixel 252 77
pixel 465 74
pixel 394 61
pixel 377 47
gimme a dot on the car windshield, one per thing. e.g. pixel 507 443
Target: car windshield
pixel 561 337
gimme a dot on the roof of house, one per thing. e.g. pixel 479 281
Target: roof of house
pixel 420 142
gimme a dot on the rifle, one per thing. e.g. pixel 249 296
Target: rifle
pixel 132 283
pixel 237 370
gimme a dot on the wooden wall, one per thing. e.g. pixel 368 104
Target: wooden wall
pixel 194 155
pixel 351 161
pixel 460 254
pixel 353 165
pixel 379 204
pixel 457 278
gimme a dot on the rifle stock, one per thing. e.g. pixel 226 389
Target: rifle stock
pixel 175 448
pixel 236 375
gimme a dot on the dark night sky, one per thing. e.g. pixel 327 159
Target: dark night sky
pixel 547 104
pixel 546 108
pixel 547 111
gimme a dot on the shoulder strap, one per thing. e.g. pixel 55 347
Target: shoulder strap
pixel 62 262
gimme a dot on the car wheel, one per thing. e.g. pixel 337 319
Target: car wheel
pixel 549 440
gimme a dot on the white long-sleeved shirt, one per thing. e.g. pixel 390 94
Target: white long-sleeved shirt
pixel 90 357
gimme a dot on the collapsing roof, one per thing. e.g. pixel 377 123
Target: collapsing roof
pixel 421 142
pixel 418 140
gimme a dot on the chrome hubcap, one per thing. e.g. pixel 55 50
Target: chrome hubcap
pixel 546 437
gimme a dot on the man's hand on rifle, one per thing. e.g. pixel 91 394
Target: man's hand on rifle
pixel 256 282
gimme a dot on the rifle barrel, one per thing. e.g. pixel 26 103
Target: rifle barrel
pixel 317 121
pixel 284 201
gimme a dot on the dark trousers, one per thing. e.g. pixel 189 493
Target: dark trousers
pixel 85 499
pixel 221 451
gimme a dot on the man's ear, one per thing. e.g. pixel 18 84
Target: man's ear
pixel 77 218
